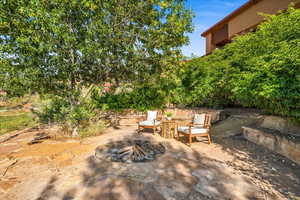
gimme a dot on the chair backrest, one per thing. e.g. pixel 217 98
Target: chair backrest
pixel 199 120
pixel 151 115
pixel 207 121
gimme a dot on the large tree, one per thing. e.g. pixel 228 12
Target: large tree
pixel 62 46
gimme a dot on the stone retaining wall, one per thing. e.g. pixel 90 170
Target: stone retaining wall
pixel 287 147
pixel 217 115
pixel 132 118
pixel 280 124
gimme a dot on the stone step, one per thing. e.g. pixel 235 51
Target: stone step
pixel 281 124
pixel 286 145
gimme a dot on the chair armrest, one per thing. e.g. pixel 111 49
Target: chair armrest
pixel 207 126
pixel 181 124
pixel 158 118
pixel 190 129
pixel 191 124
pixel 143 118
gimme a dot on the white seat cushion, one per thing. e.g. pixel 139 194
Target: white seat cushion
pixel 194 130
pixel 199 120
pixel 149 123
pixel 151 115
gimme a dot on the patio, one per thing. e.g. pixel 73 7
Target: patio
pixel 222 170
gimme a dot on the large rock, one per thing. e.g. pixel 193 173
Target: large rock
pixel 287 147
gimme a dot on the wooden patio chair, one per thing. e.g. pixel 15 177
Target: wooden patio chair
pixel 151 121
pixel 201 126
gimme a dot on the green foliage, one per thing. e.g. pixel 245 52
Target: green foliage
pixel 16 122
pixel 269 76
pixel 260 69
pixel 140 98
pixel 169 114
pixel 204 82
pixel 61 47
pixel 93 128
pixel 58 110
pixel 14 102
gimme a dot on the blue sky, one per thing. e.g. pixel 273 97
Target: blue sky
pixel 207 13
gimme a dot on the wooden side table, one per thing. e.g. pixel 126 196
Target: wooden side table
pixel 169 129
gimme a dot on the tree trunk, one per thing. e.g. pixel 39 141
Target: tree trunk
pixel 74 132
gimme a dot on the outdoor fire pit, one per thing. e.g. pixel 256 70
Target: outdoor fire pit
pixel 130 151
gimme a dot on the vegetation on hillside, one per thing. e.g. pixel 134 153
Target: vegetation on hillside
pixel 62 49
pixel 259 69
pixel 107 41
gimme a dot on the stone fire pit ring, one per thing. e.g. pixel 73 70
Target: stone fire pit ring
pixel 128 151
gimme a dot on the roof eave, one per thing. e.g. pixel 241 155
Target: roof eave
pixel 230 16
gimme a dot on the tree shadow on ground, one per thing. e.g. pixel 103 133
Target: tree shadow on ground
pixel 49 190
pixel 181 173
pixel 263 166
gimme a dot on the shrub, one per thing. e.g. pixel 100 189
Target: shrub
pixel 93 128
pixel 59 111
pixel 260 69
pixel 204 81
pixel 141 98
pixel 269 66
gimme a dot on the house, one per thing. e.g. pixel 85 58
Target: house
pixel 242 20
pixel 106 87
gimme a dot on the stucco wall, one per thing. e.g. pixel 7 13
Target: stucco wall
pixel 209 44
pixel 250 17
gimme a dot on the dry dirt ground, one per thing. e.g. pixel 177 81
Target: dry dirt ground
pixel 230 168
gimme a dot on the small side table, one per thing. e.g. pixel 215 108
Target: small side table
pixel 169 129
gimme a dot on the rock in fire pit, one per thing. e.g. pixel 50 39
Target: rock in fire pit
pixel 130 151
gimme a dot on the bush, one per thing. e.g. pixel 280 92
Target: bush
pixel 92 128
pixel 59 111
pixel 141 98
pixel 204 81
pixel 260 69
